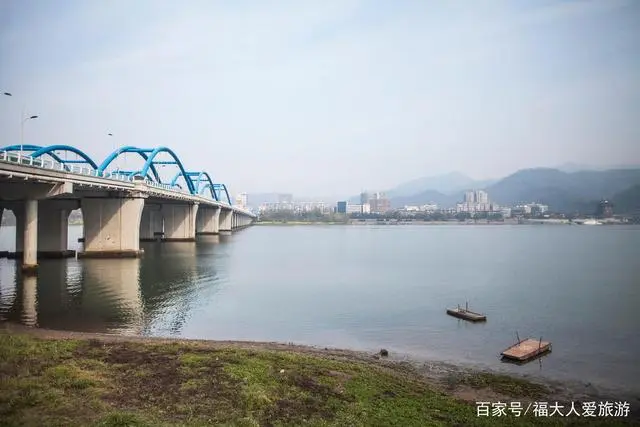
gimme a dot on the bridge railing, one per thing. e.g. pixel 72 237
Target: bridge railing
pixel 21 159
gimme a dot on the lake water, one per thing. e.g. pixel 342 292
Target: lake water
pixel 365 287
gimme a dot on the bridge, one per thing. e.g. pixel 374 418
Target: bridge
pixel 120 208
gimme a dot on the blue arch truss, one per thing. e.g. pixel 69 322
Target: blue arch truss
pixel 202 182
pixel 197 182
pixel 38 151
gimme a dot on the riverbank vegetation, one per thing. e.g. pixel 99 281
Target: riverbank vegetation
pixel 117 382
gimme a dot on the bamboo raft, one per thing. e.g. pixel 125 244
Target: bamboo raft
pixel 526 350
pixel 466 314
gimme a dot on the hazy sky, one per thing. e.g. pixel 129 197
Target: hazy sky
pixel 328 97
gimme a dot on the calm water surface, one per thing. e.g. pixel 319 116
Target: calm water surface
pixel 365 287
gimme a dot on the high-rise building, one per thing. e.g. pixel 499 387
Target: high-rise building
pixel 242 200
pixel 605 209
pixel 482 197
pixel 469 197
pixel 341 207
pixel 380 205
pixel 364 198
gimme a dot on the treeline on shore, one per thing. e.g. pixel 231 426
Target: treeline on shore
pixel 317 216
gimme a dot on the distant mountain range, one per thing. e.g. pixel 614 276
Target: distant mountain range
pixel 562 191
pixel 578 167
pixel 446 184
pixel 577 188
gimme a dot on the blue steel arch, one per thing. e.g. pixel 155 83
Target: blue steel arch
pixel 37 151
pixel 224 188
pixel 149 154
pixel 203 182
pixel 142 152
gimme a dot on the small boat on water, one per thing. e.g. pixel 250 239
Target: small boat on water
pixel 466 314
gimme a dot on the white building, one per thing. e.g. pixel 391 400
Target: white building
pixel 476 201
pixel 354 208
pixel 469 197
pixel 482 197
pixel 242 200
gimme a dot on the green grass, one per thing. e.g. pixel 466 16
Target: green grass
pixel 89 382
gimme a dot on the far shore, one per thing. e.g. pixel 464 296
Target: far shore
pixel 399 223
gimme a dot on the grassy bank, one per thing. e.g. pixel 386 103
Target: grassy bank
pixel 117 382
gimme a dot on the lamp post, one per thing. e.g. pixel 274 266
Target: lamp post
pixel 22 130
pixel 114 149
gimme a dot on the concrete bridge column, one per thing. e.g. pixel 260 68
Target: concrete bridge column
pixel 30 242
pixel 2 253
pixel 208 220
pixel 225 219
pixel 180 221
pixel 53 228
pixel 151 223
pixel 112 226
pixel 26 234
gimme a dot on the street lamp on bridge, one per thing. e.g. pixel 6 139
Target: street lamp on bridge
pixel 22 130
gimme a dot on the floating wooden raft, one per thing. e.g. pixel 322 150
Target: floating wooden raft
pixel 527 349
pixel 466 314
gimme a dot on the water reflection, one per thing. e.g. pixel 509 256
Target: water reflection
pixel 29 300
pixel 172 283
pixel 152 295
pixel 109 291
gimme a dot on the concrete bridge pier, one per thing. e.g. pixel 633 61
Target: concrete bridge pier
pixel 151 223
pixel 30 242
pixel 180 221
pixel 53 228
pixel 112 225
pixel 244 221
pixel 226 216
pixel 208 220
pixel 41 230
pixel 3 254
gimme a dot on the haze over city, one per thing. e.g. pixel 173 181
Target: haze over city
pixel 329 97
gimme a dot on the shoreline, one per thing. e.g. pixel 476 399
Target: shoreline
pixel 453 379
pixel 430 223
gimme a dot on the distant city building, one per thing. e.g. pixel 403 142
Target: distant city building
pixel 469 197
pixel 423 208
pixel 531 209
pixel 285 198
pixel 364 198
pixel 482 197
pixel 366 208
pixel 476 201
pixel 354 209
pixel 295 207
pixel 341 207
pixel 605 209
pixel 379 203
pixel 242 200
